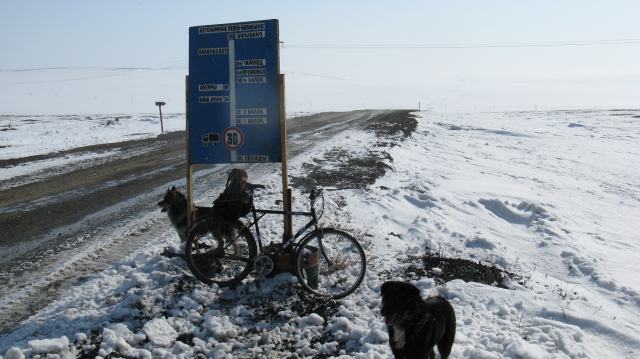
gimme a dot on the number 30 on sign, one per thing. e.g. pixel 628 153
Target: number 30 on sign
pixel 232 138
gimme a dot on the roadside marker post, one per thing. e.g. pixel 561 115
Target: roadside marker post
pixel 235 100
pixel 160 104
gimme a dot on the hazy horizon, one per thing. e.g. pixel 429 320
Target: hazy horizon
pixel 122 56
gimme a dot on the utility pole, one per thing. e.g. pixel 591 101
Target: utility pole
pixel 160 104
pixel 419 106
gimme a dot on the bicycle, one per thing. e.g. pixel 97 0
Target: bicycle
pixel 327 261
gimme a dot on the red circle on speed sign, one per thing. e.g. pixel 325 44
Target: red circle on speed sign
pixel 232 138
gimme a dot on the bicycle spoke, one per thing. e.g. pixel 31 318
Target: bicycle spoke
pixel 331 264
pixel 230 243
pixel 238 258
pixel 215 254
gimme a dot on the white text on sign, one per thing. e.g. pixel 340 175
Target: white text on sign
pixel 252 80
pixel 245 35
pixel 252 121
pixel 213 87
pixel 213 99
pixel 251 63
pixel 228 28
pixel 251 111
pixel 213 51
pixel 254 158
pixel 251 72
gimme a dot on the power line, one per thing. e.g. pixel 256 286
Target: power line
pixel 326 46
pixel 309 74
pixel 111 72
pixel 392 46
pixel 68 79
pixel 92 68
pixel 122 71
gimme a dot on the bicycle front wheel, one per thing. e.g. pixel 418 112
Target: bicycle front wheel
pixel 221 252
pixel 330 263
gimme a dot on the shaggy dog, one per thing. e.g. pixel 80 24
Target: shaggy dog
pixel 416 325
pixel 175 205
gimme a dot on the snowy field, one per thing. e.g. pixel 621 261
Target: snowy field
pixel 549 196
pixel 29 135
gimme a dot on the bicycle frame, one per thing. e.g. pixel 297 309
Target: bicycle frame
pixel 259 213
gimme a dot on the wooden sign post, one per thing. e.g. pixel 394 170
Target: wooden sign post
pixel 160 104
pixel 190 211
pixel 286 191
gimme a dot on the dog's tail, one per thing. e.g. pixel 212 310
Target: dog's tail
pixel 446 342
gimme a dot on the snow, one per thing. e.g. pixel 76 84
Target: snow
pixel 160 332
pixel 312 319
pixel 32 168
pixel 34 135
pixel 554 203
pixel 14 353
pixel 56 345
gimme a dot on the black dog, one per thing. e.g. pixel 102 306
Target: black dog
pixel 415 326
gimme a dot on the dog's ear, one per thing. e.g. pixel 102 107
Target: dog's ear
pixel 385 287
pixel 404 290
pixel 411 291
pixel 173 189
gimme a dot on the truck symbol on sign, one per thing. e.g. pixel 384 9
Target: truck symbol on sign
pixel 210 138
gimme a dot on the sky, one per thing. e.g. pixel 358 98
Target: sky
pixel 91 39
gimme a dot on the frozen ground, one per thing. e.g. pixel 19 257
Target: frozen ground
pixel 30 135
pixel 55 219
pixel 549 196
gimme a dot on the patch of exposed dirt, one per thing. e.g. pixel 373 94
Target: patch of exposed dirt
pixel 394 124
pixel 443 269
pixel 89 348
pixel 350 173
pixel 340 169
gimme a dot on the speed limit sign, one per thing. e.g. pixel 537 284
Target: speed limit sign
pixel 232 138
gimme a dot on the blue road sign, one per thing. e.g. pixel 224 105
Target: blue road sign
pixel 233 90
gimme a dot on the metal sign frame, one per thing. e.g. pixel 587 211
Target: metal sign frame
pixel 274 114
pixel 234 92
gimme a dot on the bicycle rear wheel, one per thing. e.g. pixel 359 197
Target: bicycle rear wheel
pixel 221 252
pixel 330 263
